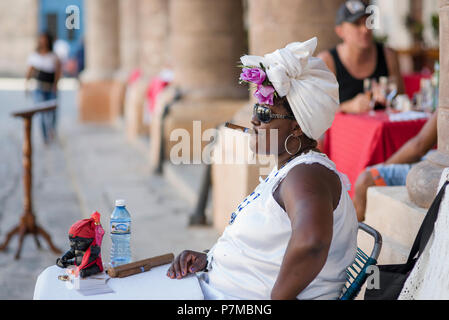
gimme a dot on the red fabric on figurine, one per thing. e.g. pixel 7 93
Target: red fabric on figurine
pixel 83 228
pixel 89 228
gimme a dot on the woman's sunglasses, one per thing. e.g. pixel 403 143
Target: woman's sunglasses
pixel 264 114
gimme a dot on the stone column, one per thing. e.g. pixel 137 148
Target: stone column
pixel 145 44
pixel 101 36
pixel 206 40
pixel 129 36
pixel 272 25
pixel 143 36
pixel 18 36
pixel 98 88
pixel 153 36
pixel 423 178
pixel 128 45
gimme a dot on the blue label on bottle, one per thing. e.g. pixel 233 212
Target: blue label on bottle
pixel 120 227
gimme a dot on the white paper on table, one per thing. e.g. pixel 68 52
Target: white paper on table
pixel 408 115
pixel 95 284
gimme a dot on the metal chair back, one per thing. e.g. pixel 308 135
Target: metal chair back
pixel 356 273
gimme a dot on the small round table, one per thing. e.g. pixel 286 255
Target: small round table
pixel 27 224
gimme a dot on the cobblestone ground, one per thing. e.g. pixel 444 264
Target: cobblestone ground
pixel 86 169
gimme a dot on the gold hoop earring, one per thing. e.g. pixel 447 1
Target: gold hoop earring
pixel 285 145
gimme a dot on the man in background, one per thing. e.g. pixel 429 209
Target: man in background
pixel 394 171
pixel 358 58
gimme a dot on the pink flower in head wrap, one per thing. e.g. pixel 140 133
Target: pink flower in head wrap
pixel 254 75
pixel 264 94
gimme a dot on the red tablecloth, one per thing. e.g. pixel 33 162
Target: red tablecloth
pixel 412 82
pixel 357 141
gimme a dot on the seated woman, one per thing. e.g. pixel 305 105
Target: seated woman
pixel 296 234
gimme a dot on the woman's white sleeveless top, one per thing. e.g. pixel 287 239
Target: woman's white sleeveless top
pixel 246 260
pixel 43 62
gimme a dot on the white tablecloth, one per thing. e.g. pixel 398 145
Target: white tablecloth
pixel 150 285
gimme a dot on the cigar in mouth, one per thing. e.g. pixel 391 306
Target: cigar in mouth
pixel 237 127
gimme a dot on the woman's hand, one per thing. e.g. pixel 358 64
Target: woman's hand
pixel 187 262
pixel 359 104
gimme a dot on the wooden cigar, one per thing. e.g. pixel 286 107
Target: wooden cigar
pixel 140 266
pixel 237 127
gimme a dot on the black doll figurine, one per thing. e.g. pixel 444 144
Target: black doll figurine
pixel 85 238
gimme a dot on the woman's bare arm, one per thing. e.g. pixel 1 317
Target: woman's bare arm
pixel 414 149
pixel 310 194
pixel 58 74
pixel 28 76
pixel 29 73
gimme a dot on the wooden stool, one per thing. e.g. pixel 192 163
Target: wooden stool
pixel 27 223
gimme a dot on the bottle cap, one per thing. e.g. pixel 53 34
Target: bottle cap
pixel 120 203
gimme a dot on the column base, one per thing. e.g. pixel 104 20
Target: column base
pixel 134 112
pixel 100 101
pixel 423 178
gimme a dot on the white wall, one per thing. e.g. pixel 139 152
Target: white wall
pixel 392 22
pixel 429 7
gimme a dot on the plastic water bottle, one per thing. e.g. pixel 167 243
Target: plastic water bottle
pixel 120 235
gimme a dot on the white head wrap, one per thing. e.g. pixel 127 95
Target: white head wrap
pixel 311 88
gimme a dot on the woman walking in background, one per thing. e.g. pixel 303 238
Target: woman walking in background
pixel 45 67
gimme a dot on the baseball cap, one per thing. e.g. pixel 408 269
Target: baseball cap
pixel 350 11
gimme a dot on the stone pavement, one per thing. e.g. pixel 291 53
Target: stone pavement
pixel 85 170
